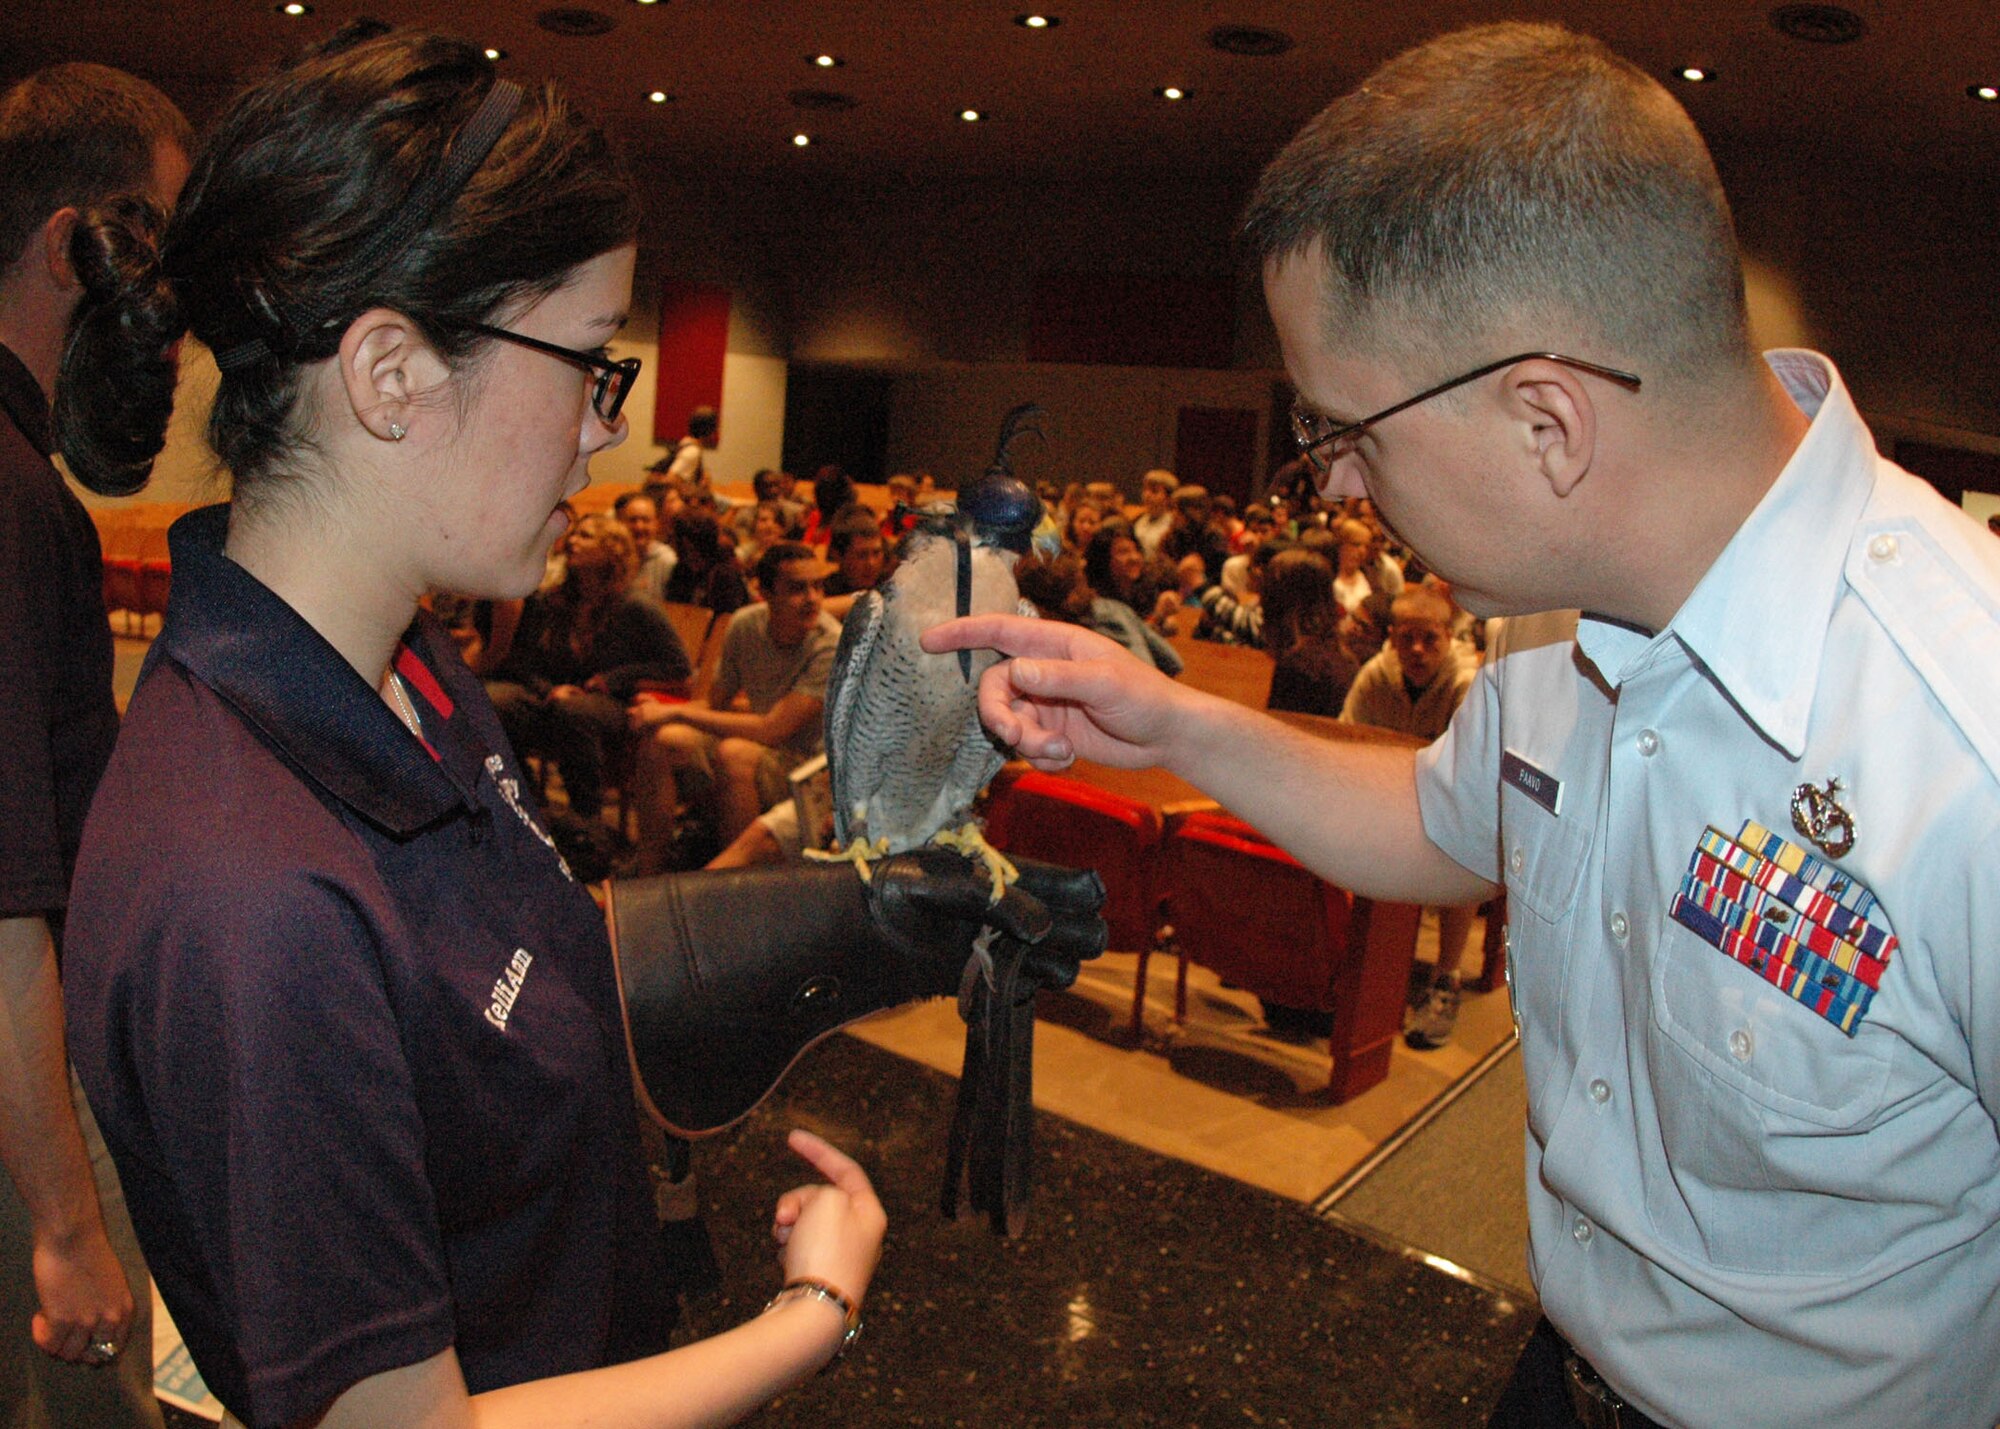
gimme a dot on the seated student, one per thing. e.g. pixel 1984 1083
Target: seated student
pixel 772 485
pixel 640 516
pixel 578 654
pixel 833 493
pixel 1306 632
pixel 1156 494
pixel 1085 519
pixel 902 517
pixel 859 554
pixel 1229 620
pixel 1194 531
pixel 1415 686
pixel 1118 570
pixel 1356 556
pixel 776 656
pixel 707 574
pixel 1057 589
pixel 767 528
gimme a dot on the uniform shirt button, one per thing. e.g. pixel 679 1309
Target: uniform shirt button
pixel 1621 927
pixel 1649 743
pixel 1600 1091
pixel 1516 860
pixel 1740 1044
pixel 1582 1231
pixel 1882 548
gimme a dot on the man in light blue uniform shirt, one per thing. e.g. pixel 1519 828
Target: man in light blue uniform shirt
pixel 1746 808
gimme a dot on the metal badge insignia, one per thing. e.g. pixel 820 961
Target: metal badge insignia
pixel 1818 815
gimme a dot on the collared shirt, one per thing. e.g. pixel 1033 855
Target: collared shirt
pixel 1749 1206
pixel 350 1029
pixel 57 717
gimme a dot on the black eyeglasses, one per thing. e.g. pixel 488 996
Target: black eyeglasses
pixel 614 379
pixel 1322 444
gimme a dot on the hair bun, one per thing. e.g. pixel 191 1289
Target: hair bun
pixel 116 389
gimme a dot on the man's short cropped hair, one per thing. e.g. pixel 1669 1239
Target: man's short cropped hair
pixel 626 498
pixel 1517 180
pixel 1420 602
pixel 853 522
pixel 780 554
pixel 702 423
pixel 73 135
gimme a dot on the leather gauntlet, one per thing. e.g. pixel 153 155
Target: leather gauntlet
pixel 728 977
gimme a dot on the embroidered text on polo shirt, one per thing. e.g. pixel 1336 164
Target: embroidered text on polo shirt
pixel 507 988
pixel 510 790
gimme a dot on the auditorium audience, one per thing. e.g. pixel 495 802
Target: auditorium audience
pixel 726 756
pixel 1355 552
pixel 833 493
pixel 1307 634
pixel 1414 685
pixel 641 518
pixel 1156 494
pixel 580 652
pixel 1057 589
pixel 707 573
pixel 1085 517
pixel 1117 569
pixel 859 555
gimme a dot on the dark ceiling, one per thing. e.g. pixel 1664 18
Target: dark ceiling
pixel 1079 97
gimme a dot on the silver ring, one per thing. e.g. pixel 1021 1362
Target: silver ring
pixel 102 1350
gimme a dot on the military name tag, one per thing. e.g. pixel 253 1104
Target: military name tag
pixel 1538 784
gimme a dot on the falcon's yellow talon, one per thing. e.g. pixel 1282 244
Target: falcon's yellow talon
pixel 859 852
pixel 970 840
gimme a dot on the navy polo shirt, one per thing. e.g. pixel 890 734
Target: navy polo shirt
pixel 351 1030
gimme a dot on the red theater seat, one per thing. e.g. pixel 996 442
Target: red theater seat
pixel 1066 821
pixel 1246 909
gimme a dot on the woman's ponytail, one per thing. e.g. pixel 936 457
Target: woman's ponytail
pixel 115 392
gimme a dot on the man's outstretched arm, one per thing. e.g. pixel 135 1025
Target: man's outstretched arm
pixel 1347 811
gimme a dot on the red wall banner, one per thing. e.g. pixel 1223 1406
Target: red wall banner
pixel 694 334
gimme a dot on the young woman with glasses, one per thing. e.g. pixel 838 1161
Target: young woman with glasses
pixel 353 1032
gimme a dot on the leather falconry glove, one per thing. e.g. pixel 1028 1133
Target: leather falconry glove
pixel 728 977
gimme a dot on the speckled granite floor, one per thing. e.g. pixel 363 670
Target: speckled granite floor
pixel 1145 1292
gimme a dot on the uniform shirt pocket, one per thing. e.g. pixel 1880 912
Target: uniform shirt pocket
pixel 1541 856
pixel 1754 1095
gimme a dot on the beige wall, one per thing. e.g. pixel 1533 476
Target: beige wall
pixel 1891 273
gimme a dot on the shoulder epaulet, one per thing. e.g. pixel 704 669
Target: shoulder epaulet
pixel 1931 576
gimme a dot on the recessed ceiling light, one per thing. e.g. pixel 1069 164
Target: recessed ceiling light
pixel 646 2
pixel 1986 92
pixel 295 8
pixel 1038 22
pixel 828 61
pixel 659 96
pixel 1171 91
pixel 801 140
pixel 1695 74
pixel 495 55
pixel 970 116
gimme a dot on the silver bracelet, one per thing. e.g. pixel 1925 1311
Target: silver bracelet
pixel 808 1288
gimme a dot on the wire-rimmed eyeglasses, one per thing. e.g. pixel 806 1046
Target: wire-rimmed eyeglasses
pixel 614 378
pixel 1322 443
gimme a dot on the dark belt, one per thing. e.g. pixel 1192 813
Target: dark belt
pixel 1596 1404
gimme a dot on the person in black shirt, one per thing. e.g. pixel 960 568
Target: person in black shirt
pixel 70 137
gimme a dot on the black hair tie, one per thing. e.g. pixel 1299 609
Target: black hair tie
pixel 469 149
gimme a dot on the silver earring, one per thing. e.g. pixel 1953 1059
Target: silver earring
pixel 396 431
